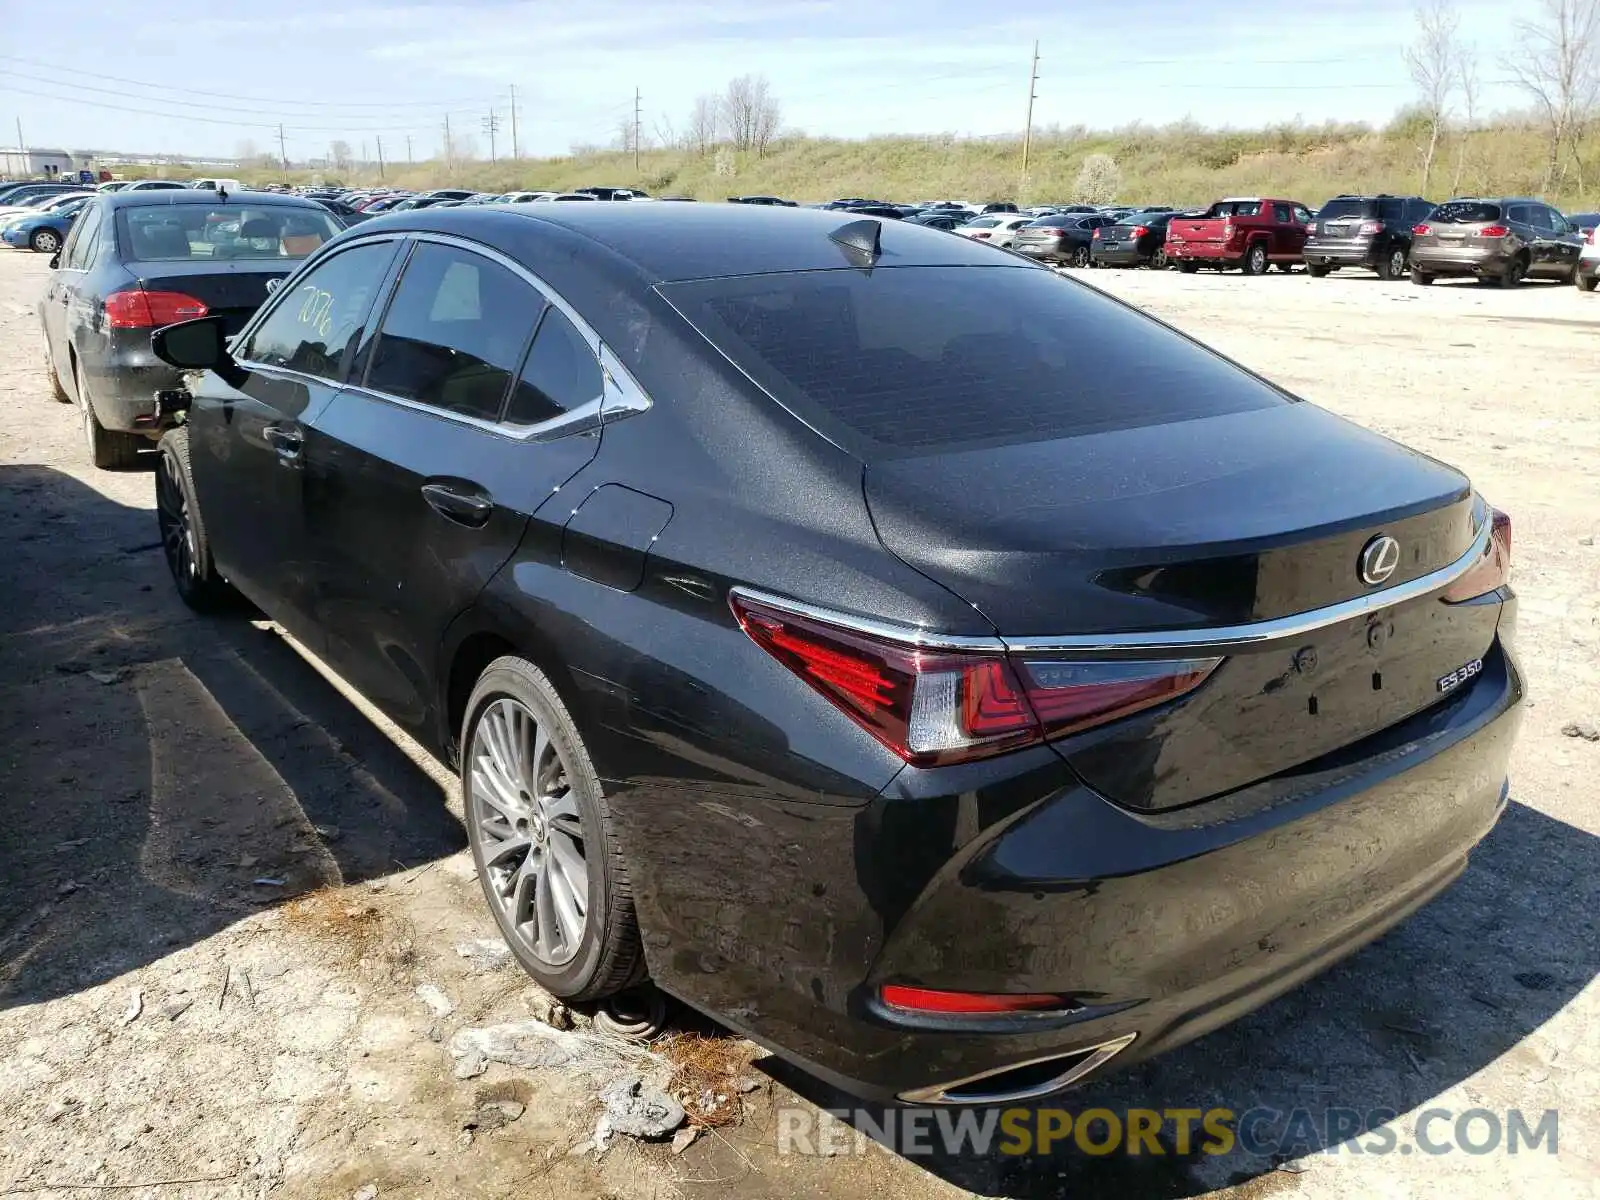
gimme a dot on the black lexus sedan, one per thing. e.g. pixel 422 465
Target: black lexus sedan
pixel 945 674
pixel 138 260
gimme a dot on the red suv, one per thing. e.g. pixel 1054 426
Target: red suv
pixel 1250 233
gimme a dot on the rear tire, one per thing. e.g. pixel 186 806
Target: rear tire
pixel 1421 278
pixel 1255 260
pixel 183 532
pixel 1393 264
pixel 110 450
pixel 1513 275
pixel 1080 256
pixel 607 957
pixel 1317 272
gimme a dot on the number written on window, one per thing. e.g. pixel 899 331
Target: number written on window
pixel 316 330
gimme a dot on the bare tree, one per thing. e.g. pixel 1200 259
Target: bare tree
pixel 750 114
pixel 704 124
pixel 666 134
pixel 339 151
pixel 1557 63
pixel 1467 77
pixel 1433 60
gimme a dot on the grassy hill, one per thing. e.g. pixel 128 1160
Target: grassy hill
pixel 1179 164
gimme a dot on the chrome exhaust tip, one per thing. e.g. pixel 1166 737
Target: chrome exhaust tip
pixel 1020 1082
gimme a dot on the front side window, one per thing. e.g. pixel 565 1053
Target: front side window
pixel 1541 219
pixel 317 326
pixel 454 332
pixel 1283 214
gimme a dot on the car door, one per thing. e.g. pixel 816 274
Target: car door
pixel 247 432
pixel 479 401
pixel 1564 242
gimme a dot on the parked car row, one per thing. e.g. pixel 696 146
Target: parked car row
pixel 977 762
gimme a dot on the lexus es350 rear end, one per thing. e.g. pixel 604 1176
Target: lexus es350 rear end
pixel 949 676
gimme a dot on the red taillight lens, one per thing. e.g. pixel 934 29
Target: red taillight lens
pixel 933 707
pixel 1494 231
pixel 1369 227
pixel 1593 236
pixel 1491 571
pixel 139 309
pixel 1097 235
pixel 1139 231
pixel 928 1000
pixel 1421 230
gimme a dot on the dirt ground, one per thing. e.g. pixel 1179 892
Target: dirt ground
pixel 169 1026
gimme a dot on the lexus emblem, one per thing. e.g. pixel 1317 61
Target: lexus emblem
pixel 1379 558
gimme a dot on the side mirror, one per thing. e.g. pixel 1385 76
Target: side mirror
pixel 55 261
pixel 197 345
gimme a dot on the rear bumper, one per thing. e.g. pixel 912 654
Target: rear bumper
pixel 1054 248
pixel 123 378
pixel 1164 927
pixel 1122 256
pixel 1438 260
pixel 1205 251
pixel 1341 252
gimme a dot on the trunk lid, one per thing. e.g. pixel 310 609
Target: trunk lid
pixel 231 289
pixel 1209 523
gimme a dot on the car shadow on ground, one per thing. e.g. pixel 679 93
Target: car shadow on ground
pixel 155 765
pixel 1459 985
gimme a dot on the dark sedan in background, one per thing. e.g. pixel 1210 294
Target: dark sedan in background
pixel 137 260
pixel 1060 238
pixel 1137 240
pixel 696 544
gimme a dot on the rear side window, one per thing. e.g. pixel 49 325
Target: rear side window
pixel 316 327
pixel 1235 208
pixel 1466 212
pixel 1541 218
pixel 561 373
pixel 1283 213
pixel 454 332
pixel 901 360
pixel 1392 210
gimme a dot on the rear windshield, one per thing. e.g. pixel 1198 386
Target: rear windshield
pixel 901 360
pixel 173 232
pixel 1235 208
pixel 1465 212
pixel 1334 209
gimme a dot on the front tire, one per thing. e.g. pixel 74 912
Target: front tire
pixel 44 241
pixel 1421 278
pixel 1317 272
pixel 1158 259
pixel 542 838
pixel 110 450
pixel 1188 266
pixel 1585 283
pixel 183 533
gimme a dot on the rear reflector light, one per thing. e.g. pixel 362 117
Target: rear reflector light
pixel 1491 571
pixel 1494 231
pixel 927 1000
pixel 933 707
pixel 1421 230
pixel 139 309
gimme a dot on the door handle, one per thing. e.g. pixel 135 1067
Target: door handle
pixel 285 439
pixel 457 502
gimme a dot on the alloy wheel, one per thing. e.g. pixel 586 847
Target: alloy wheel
pixel 177 530
pixel 1397 263
pixel 46 242
pixel 1080 256
pixel 1158 260
pixel 524 816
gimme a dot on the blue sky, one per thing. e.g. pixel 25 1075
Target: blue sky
pixel 392 68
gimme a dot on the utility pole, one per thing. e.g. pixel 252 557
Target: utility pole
pixel 364 154
pixel 22 146
pixel 635 131
pixel 514 153
pixel 449 149
pixel 490 124
pixel 1033 94
pixel 380 157
pixel 409 159
pixel 283 153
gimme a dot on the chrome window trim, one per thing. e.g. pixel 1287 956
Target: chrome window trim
pixel 620 394
pixel 1159 640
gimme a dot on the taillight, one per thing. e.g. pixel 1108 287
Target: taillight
pixel 1370 227
pixel 1494 231
pixel 1593 235
pixel 1491 571
pixel 1097 235
pixel 980 235
pixel 1421 230
pixel 1139 231
pixel 139 309
pixel 933 707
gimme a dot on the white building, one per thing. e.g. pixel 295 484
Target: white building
pixel 34 162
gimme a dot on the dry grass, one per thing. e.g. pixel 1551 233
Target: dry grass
pixel 357 931
pixel 705 1076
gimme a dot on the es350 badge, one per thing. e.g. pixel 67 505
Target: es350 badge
pixel 1449 683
